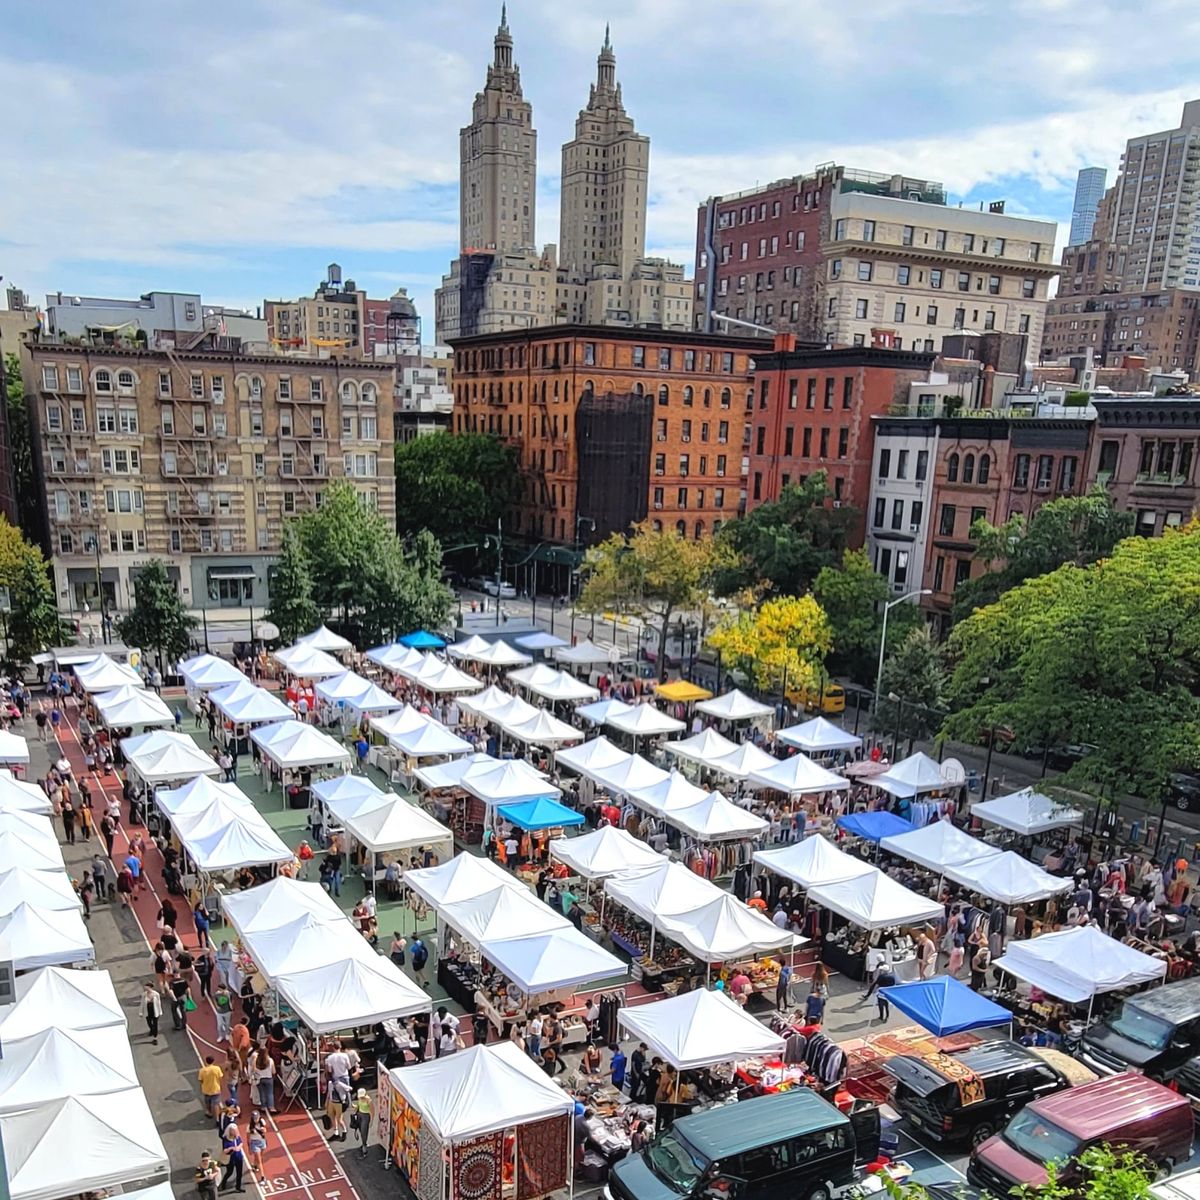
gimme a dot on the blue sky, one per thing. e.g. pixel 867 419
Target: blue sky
pixel 235 151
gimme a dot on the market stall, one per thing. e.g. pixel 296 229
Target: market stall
pixel 681 691
pixel 467 648
pixel 551 685
pixel 644 720
pixel 500 654
pixel 725 930
pixel 441 776
pixel 596 755
pixel 945 1006
pixel 588 654
pixel 917 775
pixel 226 837
pixel 422 639
pixel 599 712
pixel 206 672
pixel 438 676
pixel 703 747
pixel 198 796
pixel 813 862
pixel 715 819
pixel 469 1125
pixel 325 639
pixel 61 998
pixel 244 705
pixel 30 848
pixel 674 792
pixel 334 690
pixel 102 674
pixel 386 827
pixel 742 763
pixel 1008 878
pixel 818 736
pixel 14 749
pixel 540 642
pixel 631 774
pixel 1026 812
pixel 735 707
pixel 164 756
pixel 43 890
pixel 544 729
pixel 460 878
pixel 45 1066
pixel 291 751
pixel 307 662
pixel 133 708
pixel 539 813
pixel 394 657
pixel 41 937
pixel 430 739
pixel 16 795
pixel 607 851
pixel 874 826
pixel 938 846
pixel 797 776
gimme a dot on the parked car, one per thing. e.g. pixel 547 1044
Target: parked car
pixel 1183 791
pixel 1009 1075
pixel 1127 1112
pixel 1155 1032
pixel 505 591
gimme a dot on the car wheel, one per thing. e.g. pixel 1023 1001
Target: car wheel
pixel 819 1193
pixel 981 1133
pixel 1182 803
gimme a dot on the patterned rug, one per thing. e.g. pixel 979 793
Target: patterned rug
pixel 542 1150
pixel 476 1168
pixel 430 1182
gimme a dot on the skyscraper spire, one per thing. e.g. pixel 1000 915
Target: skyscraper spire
pixel 606 65
pixel 504 43
pixel 503 16
pixel 607 43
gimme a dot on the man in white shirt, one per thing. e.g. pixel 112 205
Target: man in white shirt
pixel 511 846
pixel 780 917
pixel 337 1065
pixel 371 904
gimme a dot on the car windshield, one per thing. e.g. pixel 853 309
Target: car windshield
pixel 1036 1138
pixel 1139 1026
pixel 674 1163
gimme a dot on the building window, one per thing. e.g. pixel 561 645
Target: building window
pixel 897 514
pixel 810 396
pixel 664 358
pixel 1067 472
pixel 898 312
pixel 103 381
pixel 968 469
pixel 860 309
pixel 931 314
pixel 962 571
pixel 922 464
pixel 74 379
pixel 1021 471
pixel 1045 472
pixel 952 469
pixel 664 396
pixel 880 511
pixel 1028 288
pixel 865 271
pixel 660 464
pixel 50 378
pixel 806 442
pixel 939 573
pixel 939 240
pixel 946 523
pixel 639 356
pixel 843 442
pixel 757 485
pixel 830 384
pixel 835 268
pixel 960 318
pixel 824 452
pixel 1023 323
pixel 985 467
pixel 885 462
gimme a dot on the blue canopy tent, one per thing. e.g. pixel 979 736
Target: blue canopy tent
pixel 874 826
pixel 422 640
pixel 945 1006
pixel 539 813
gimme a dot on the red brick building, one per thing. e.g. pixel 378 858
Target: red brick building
pixel 813 410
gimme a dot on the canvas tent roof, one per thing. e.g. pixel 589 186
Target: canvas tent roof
pixel 511 779
pixel 501 654
pixel 246 703
pixel 644 721
pixel 938 845
pixel 351 992
pixel 699 1029
pixel 228 836
pixel 467 648
pixel 42 889
pixel 45 1066
pixel 13 747
pixel 59 997
pixel 545 681
pixel 346 788
pixel 37 937
pixel 393 657
pixel 726 930
pixel 114 1134
pixel 460 878
pixel 1026 812
pixel 597 754
pixel 402 720
pixel 599 711
pixel 715 819
pixel 1008 878
pixel 422 639
pixel 540 641
pixel 305 943
pixel 491 699
pixel 33 828
pixel 133 707
pixel 207 671
pixel 544 729
pixel 544 962
pixel 275 903
pixel 734 706
pixel 294 744
pixel 745 760
pixel 429 740
pixel 702 747
pixel 1076 964
pixel 373 699
pixel 813 862
pixel 587 654
pixel 17 795
pixel 818 736
pixel 666 890
pixel 450 774
pixel 674 792
pixel 307 662
pixel 102 674
pixel 945 1006
pixel 608 851
pixel 392 824
pixel 437 675
pixel 874 826
pixel 499 913
pixel 797 775
pixel 913 776
pixel 164 756
pixel 25 848
pixel 483 1089
pixel 539 813
pixel 875 901
pixel 341 687
pixel 631 774
pixel 325 639
pixel 681 691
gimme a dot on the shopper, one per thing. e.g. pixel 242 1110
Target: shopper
pixel 262 1076
pixel 207 1173
pixel 151 1010
pixel 233 1149
pixel 210 1077
pixel 256 1135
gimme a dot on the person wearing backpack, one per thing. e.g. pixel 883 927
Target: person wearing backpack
pixel 420 956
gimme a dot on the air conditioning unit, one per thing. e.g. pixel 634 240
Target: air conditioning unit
pixel 721 474
pixel 837 504
pixel 914 529
pixel 222 468
pixel 660 437
pixel 658 504
pixel 687 437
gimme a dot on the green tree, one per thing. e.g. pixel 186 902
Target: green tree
pixel 1105 655
pixel 403 590
pixel 157 620
pixel 292 608
pixel 20 448
pixel 33 623
pixel 780 547
pixel 853 596
pixel 781 645
pixel 455 485
pixel 916 675
pixel 655 573
pixel 1073 529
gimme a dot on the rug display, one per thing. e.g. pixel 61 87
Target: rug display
pixel 475 1168
pixel 429 1185
pixel 542 1156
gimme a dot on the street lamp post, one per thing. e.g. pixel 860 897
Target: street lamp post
pixel 575 589
pixel 887 608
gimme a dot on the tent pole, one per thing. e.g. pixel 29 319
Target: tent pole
pixel 1091 1001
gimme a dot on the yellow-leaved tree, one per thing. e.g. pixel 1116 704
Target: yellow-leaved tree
pixel 781 645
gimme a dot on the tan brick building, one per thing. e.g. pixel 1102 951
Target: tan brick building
pixel 196 457
pixel 613 426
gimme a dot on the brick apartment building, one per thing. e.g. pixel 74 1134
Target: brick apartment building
pixel 613 426
pixel 813 411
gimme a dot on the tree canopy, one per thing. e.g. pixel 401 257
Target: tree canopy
pixel 780 646
pixel 455 486
pixel 1073 529
pixel 33 620
pixel 916 675
pixel 1105 655
pixel 20 447
pixel 362 572
pixel 780 547
pixel 293 610
pixel 158 620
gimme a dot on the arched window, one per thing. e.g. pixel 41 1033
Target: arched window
pixel 699 527
pixel 125 381
pixel 664 395
pixel 589 385
pixel 681 528
pixel 103 381
pixel 689 395
pixel 969 469
pixel 708 397
pixel 658 527
pixel 639 389
pixel 726 397
pixel 716 528
pixel 985 467
pixel 368 393
pixel 349 391
pixel 952 468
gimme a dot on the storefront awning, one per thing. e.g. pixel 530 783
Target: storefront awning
pixel 232 573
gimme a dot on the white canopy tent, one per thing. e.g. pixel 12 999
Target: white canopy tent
pixel 587 654
pixel 598 754
pixel 676 791
pixel 307 662
pixel 644 720
pixel 61 998
pixel 490 700
pixel 206 672
pixel 913 776
pixel 1008 878
pixel 1026 812
pixel 599 712
pixel 797 775
pixel 715 819
pixel 394 657
pixel 305 943
pixel 353 791
pixel 511 779
pixel 403 720
pixel 228 836
pixel 16 795
pixel 293 745
pixel 42 889
pixel 666 890
pixel 938 846
pixel 39 937
pixel 325 639
pixel 31 827
pixel 734 706
pixel 726 930
pixel 246 703
pixel 633 774
pixel 607 851
pixel 81 1144
pixel 373 699
pixel 102 674
pixel 449 775
pixel 45 1066
pixel 351 992
pixel 875 901
pixel 164 756
pixel 700 1029
pixel 501 654
pixel 392 824
pixel 14 749
pixel 134 708
pixel 436 675
pixel 468 648
pixel 483 1089
pixel 1078 964
pixel 547 962
pixel 818 736
pixel 429 740
pixel 460 878
pixel 544 729
pixel 272 905
pixel 813 862
pixel 341 687
pixel 743 762
pixel 499 913
pixel 28 848
pixel 199 796
pixel 540 641
pixel 545 681
pixel 703 747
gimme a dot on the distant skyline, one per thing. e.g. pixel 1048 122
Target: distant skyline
pixel 184 148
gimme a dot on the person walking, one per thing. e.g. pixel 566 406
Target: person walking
pixel 207 1174
pixel 782 985
pixel 224 962
pixel 360 1118
pixel 337 1096
pixel 201 919
pixel 85 889
pixel 233 1148
pixel 262 1076
pixel 68 820
pixel 256 1136
pixel 108 831
pixel 151 1010
pixel 210 1076
pixel 420 956
pixel 125 886
pixel 179 998
pixel 926 955
pixel 222 1001
pixel 204 970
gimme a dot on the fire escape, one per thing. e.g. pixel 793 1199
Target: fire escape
pixel 303 446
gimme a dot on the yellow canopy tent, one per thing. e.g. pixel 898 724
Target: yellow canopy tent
pixel 682 692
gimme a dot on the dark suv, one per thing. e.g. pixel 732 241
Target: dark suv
pixel 1183 791
pixel 969 1095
